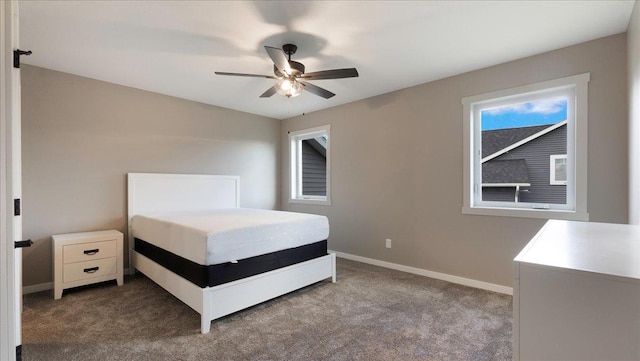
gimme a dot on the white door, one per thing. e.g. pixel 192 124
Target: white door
pixel 10 187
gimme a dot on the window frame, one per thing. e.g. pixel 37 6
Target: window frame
pixel 552 169
pixel 295 165
pixel 576 88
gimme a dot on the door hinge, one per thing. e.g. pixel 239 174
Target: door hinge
pixel 16 207
pixel 16 56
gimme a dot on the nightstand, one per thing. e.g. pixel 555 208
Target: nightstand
pixel 84 258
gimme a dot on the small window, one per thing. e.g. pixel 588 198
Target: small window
pixel 526 151
pixel 310 160
pixel 558 170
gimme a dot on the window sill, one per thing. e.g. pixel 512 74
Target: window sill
pixel 527 213
pixel 318 202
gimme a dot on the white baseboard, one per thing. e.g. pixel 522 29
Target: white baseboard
pixel 398 267
pixel 37 288
pixel 422 272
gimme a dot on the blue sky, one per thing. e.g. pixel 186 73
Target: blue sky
pixel 545 111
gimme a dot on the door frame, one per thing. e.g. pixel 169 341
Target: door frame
pixel 10 186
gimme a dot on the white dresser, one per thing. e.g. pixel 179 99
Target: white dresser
pixel 577 293
pixel 84 258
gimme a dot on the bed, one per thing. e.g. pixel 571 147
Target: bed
pixel 188 234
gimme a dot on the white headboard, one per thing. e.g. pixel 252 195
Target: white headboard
pixel 149 193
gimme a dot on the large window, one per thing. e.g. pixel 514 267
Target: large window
pixel 310 166
pixel 526 151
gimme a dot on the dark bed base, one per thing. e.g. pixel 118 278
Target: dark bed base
pixel 217 274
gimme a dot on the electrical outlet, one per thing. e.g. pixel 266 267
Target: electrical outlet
pixel 388 243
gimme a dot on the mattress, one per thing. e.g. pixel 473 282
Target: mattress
pixel 217 274
pixel 229 235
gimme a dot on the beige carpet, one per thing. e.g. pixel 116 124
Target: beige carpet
pixel 371 313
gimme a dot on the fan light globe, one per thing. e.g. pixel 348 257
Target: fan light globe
pixel 289 88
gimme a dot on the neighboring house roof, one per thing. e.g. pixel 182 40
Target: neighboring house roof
pixel 516 141
pixel 505 173
pixel 495 140
pixel 319 144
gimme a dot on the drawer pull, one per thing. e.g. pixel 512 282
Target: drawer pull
pixel 91 270
pixel 91 252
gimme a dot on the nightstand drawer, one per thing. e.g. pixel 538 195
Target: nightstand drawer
pixel 89 269
pixel 88 251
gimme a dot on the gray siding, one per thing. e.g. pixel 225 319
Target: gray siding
pixel 536 153
pixel 499 194
pixel 314 170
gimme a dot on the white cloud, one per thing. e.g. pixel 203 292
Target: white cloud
pixel 545 106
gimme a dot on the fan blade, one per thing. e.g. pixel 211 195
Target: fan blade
pixel 331 74
pixel 269 92
pixel 314 89
pixel 248 75
pixel 279 59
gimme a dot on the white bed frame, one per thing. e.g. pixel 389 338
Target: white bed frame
pixel 150 192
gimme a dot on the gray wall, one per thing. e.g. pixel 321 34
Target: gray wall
pixel 397 165
pixel 80 138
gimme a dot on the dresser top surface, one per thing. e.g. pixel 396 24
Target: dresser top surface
pixel 611 249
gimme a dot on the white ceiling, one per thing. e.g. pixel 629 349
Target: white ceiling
pixel 174 47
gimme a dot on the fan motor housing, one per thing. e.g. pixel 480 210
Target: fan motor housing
pixel 297 69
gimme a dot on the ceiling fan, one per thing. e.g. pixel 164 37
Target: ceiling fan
pixel 292 77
